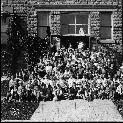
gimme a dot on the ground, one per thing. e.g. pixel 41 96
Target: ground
pixel 77 110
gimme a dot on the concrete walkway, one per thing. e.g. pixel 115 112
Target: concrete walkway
pixel 76 110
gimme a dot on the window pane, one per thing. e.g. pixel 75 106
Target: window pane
pixel 85 28
pixel 64 29
pixel 67 18
pixel 4 37
pixel 67 29
pixel 82 19
pixel 71 29
pixel 5 21
pixel 105 32
pixel 105 19
pixel 42 32
pixel 43 18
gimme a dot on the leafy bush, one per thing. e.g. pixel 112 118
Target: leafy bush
pixel 17 110
pixel 4 87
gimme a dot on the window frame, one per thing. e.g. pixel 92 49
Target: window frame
pixel 111 26
pixel 75 22
pixel 42 26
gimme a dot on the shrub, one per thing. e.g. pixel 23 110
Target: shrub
pixel 17 110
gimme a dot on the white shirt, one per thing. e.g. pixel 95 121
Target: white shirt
pixel 45 81
pixel 68 64
pixel 121 69
pixel 92 57
pixel 55 69
pixel 11 82
pixel 70 82
pixel 99 81
pixel 50 82
pixel 120 89
pixel 78 82
pixel 83 53
pixel 66 73
pixel 28 86
pixel 81 31
pixel 80 45
pixel 62 83
pixel 83 79
pixel 95 64
pixel 48 69
pixel 121 74
pixel 56 54
pixel 74 57
pixel 104 82
pixel 3 78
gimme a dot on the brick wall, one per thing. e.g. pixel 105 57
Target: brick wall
pixel 85 2
pixel 31 21
pixel 95 24
pixel 117 26
pixel 55 22
pixel 22 6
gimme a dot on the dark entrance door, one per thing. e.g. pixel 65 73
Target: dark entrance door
pixel 74 41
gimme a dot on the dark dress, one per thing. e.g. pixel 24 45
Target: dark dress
pixel 72 93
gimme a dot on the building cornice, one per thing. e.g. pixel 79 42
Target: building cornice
pixel 107 7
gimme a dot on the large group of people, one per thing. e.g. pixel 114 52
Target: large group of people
pixel 70 74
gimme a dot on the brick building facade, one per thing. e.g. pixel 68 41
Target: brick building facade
pixel 102 18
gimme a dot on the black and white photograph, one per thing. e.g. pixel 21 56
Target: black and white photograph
pixel 61 61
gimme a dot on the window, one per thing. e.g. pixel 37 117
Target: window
pixel 7 1
pixel 4 19
pixel 43 22
pixel 106 25
pixel 71 22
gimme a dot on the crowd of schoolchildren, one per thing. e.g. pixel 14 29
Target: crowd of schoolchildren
pixel 70 74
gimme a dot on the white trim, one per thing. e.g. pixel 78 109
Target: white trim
pixel 48 22
pixel 75 10
pixel 49 19
pixel 76 35
pixel 89 26
pixel 112 24
pixel 75 24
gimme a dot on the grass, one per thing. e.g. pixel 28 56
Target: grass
pixel 17 110
pixel 119 105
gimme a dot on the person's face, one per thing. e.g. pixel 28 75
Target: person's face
pixel 74 85
pixel 74 67
pixel 48 63
pixel 15 86
pixel 79 65
pixel 71 77
pixel 59 60
pixel 30 79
